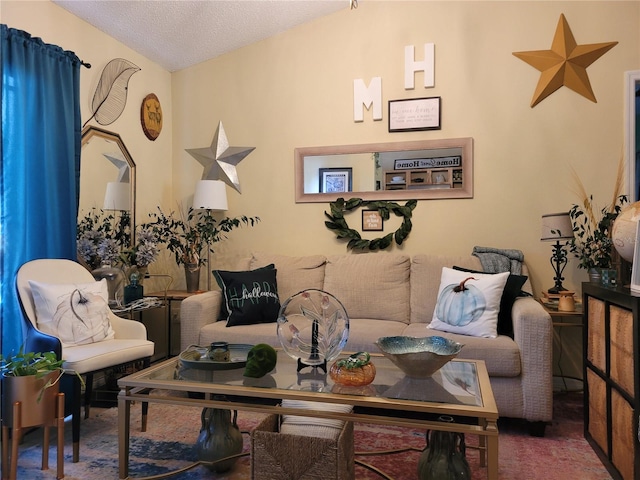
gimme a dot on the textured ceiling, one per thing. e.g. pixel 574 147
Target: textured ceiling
pixel 179 34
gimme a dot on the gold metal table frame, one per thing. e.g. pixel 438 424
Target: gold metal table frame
pixel 384 402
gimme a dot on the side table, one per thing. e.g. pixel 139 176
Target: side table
pixel 171 297
pixel 561 320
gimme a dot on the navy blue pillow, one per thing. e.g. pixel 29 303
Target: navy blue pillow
pixel 249 296
pixel 512 290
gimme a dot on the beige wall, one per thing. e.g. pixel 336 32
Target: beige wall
pixel 295 89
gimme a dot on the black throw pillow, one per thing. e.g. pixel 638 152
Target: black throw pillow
pixel 512 290
pixel 250 296
pixel 224 310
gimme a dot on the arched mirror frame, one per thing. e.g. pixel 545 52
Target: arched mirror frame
pixel 465 144
pixel 90 132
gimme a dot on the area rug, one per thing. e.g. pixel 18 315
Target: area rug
pixel 168 445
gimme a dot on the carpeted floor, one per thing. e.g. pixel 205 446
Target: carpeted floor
pixel 168 444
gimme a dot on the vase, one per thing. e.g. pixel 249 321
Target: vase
pixel 38 402
pixel 219 438
pixel 192 274
pixel 594 275
pixel 114 278
pixel 444 456
pixel 141 271
pixel 608 277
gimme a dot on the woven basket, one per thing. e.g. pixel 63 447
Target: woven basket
pixel 279 456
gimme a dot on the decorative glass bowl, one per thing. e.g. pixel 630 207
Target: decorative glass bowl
pixel 419 357
pixel 313 326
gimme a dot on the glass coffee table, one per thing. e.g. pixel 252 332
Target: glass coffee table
pixel 460 389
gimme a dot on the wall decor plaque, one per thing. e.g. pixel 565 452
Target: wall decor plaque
pixel 414 114
pixel 151 116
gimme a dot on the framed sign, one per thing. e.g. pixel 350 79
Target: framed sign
pixel 414 114
pixel 372 221
pixel 435 162
pixel 335 180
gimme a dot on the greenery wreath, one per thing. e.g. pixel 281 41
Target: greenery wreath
pixel 339 224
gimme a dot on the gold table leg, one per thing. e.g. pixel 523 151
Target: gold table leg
pixel 124 416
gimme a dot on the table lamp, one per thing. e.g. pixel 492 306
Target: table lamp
pixel 210 195
pixel 117 196
pixel 557 227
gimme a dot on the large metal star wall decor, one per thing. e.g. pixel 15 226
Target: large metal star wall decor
pixel 565 64
pixel 220 160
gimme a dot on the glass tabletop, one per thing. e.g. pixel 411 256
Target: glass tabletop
pixel 457 383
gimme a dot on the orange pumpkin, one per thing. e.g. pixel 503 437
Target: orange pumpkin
pixel 355 370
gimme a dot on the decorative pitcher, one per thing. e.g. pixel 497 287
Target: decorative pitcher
pixel 219 437
pixel 444 456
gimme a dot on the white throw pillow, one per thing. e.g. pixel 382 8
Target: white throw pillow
pixel 468 303
pixel 289 421
pixel 75 313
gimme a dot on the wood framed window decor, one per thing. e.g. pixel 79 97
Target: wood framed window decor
pixel 414 114
pixel 335 180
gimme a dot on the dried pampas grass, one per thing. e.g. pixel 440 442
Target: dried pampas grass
pixel 586 200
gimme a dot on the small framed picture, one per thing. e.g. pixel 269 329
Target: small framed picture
pixel 414 114
pixel 372 221
pixel 335 180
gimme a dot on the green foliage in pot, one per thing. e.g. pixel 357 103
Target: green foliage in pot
pixel 188 236
pixel 38 364
pixel 591 243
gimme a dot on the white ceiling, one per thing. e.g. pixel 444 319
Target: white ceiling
pixel 180 33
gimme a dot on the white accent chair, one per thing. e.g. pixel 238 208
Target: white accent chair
pixel 129 345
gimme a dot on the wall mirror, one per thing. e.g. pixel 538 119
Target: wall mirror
pixel 107 175
pixel 632 132
pixel 421 170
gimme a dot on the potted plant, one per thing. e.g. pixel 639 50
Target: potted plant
pixel 32 379
pixel 192 234
pixel 101 237
pixel 143 253
pixel 592 244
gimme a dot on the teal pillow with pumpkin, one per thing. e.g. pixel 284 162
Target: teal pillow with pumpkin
pixel 468 303
pixel 249 296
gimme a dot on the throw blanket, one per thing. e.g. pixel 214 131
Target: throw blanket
pixel 496 260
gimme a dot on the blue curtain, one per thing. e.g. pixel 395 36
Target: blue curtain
pixel 40 169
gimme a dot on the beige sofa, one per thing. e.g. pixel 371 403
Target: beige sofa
pixel 394 294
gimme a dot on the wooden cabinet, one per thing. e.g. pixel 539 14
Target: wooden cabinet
pixel 173 299
pixel 156 322
pixel 612 374
pixel 422 179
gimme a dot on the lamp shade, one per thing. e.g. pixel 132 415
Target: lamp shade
pixel 210 195
pixel 556 226
pixel 117 196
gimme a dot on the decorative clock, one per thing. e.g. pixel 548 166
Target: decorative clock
pixel 151 116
